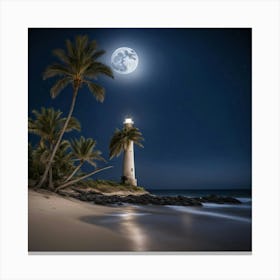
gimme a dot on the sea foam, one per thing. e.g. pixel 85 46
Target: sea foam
pixel 193 210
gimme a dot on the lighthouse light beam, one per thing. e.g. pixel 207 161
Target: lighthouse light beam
pixel 128 121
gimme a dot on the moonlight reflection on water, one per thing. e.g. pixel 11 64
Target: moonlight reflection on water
pixel 133 230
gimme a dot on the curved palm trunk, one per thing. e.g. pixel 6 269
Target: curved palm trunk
pixel 81 178
pixel 44 177
pixel 74 172
pixel 51 187
pixel 50 179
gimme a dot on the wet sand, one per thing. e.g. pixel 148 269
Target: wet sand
pixel 60 224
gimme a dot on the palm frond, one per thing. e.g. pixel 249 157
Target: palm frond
pixel 73 124
pixel 70 48
pixel 57 70
pixel 122 138
pixel 81 43
pixel 97 54
pixel 96 90
pixel 97 68
pixel 62 56
pixel 83 149
pixel 91 49
pixel 48 123
pixel 59 86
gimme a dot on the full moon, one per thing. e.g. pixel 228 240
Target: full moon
pixel 124 60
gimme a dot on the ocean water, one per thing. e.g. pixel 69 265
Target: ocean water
pixel 243 195
pixel 232 212
pixel 212 227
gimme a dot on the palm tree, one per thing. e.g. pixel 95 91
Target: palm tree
pixel 62 163
pixel 47 125
pixel 60 168
pixel 83 151
pixel 121 139
pixel 78 66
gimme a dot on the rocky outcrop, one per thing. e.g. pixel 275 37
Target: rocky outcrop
pixel 145 199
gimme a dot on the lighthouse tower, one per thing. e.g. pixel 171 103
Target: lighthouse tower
pixel 128 158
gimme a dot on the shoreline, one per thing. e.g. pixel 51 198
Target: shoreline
pixel 143 198
pixel 61 224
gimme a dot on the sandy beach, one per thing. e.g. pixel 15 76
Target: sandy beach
pixel 59 224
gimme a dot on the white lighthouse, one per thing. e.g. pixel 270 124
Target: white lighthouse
pixel 128 158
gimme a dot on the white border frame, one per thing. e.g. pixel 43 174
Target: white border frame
pixel 262 16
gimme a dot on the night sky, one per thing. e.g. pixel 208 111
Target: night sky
pixel 190 96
